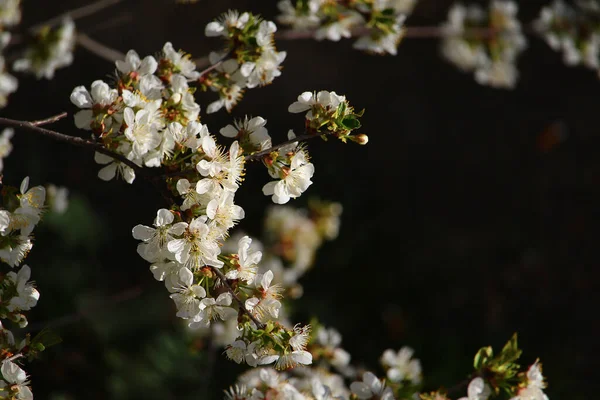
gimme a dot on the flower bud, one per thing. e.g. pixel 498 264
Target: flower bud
pixel 361 139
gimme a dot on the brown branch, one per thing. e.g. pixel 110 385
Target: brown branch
pixel 223 279
pixel 77 13
pixel 412 32
pixel 98 48
pixel 74 140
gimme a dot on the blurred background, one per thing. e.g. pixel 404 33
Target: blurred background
pixel 472 213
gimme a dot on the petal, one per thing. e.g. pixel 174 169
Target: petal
pixel 186 276
pixel 269 188
pixel 178 228
pixel 81 97
pixel 108 172
pixel 302 357
pixel 142 232
pixel 163 217
pixel 229 131
pixel 361 390
pixel 83 119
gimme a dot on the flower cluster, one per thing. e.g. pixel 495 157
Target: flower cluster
pixel 574 31
pixel 486 43
pixel 329 114
pixel 501 373
pixel 149 115
pixel 45 50
pixel 331 376
pixel 248 60
pixel 52 48
pixel 151 118
pixel 8 83
pixel 20 211
pixel 285 252
pixel 10 13
pixel 378 22
pixel 5 145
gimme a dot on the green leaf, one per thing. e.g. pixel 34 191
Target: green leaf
pixel 482 357
pixel 46 338
pixel 350 122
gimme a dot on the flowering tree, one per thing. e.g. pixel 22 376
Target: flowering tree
pixel 233 289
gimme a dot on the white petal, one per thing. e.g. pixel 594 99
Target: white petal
pixel 361 390
pixel 163 217
pixel 142 232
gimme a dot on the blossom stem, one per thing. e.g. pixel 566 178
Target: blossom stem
pixel 201 62
pixel 254 156
pixel 77 13
pixel 262 153
pixel 223 279
pixel 208 69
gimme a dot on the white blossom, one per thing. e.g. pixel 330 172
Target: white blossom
pixel 182 63
pixel 134 65
pixel 188 295
pixel 15 381
pixel 295 181
pixel 100 95
pixel 56 54
pixel 214 308
pixel 371 387
pixel 247 261
pixel 155 239
pixel 197 247
pixel 27 295
pixel 5 145
pixel 477 390
pixel 401 366
pixel 252 130
pixel 10 13
pixel 8 83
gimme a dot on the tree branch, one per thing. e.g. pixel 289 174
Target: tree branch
pixel 73 140
pixel 223 279
pixel 413 32
pixel 98 48
pixel 77 13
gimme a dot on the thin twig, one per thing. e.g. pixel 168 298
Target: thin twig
pixel 223 279
pixel 201 62
pixel 49 120
pixel 112 23
pixel 77 13
pixel 98 48
pixel 207 70
pixel 251 157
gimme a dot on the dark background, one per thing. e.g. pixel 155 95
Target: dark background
pixel 460 226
